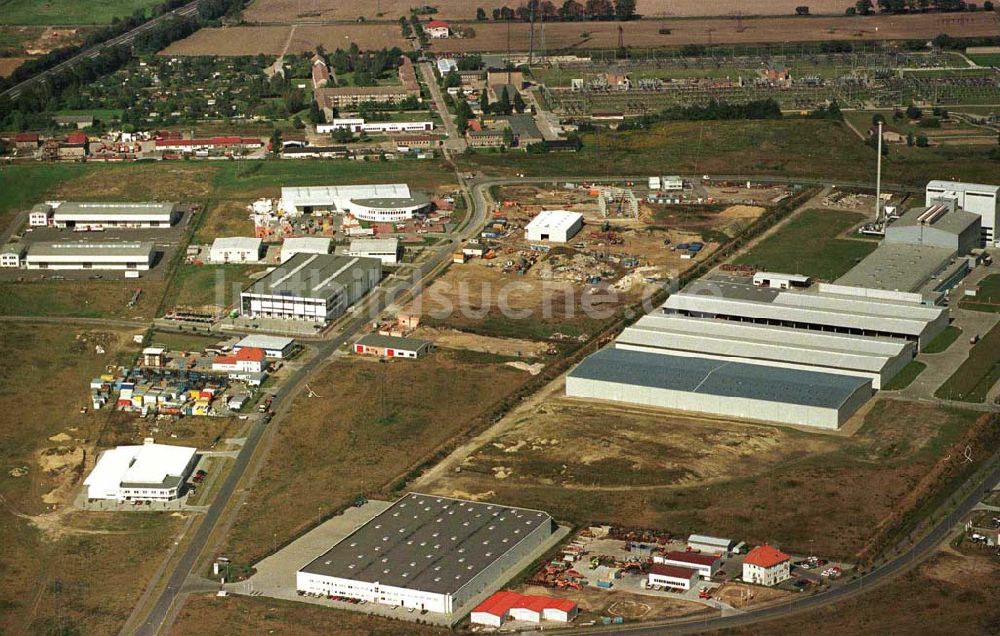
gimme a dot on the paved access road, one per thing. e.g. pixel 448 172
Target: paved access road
pixel 92 52
pixel 455 141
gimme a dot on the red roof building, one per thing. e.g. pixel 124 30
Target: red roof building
pixel 208 143
pixel 672 570
pixel 76 138
pixel 765 556
pixel 26 137
pixel 437 24
pixel 247 359
pixel 522 607
pixel 705 564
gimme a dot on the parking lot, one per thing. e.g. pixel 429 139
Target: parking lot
pixel 166 241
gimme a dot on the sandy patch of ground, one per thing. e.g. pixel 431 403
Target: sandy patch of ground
pixel 9 64
pixel 454 339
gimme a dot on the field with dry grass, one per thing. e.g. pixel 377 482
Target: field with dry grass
pixel 948 594
pixel 208 614
pixel 371 423
pixel 289 10
pixel 592 463
pixel 65 572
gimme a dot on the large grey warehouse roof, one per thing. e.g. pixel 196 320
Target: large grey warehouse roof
pixel 90 248
pixel 811 308
pixel 114 209
pixel 762 342
pixel 720 378
pixel 312 276
pixel 898 266
pixel 428 543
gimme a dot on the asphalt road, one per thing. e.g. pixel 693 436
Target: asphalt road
pixel 92 52
pixel 455 141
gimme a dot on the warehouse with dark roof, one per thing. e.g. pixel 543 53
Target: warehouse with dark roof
pixel 429 553
pixel 721 387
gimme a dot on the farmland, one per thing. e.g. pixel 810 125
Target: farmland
pixel 50 12
pixel 810 245
pixel 570 36
pixel 690 473
pixel 582 36
pixel 64 571
pixel 972 381
pixel 272 40
pixel 369 424
pixel 289 10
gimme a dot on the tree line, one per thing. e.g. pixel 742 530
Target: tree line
pixel 569 10
pixel 867 7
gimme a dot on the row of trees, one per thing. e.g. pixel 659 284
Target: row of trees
pixel 867 7
pixel 569 10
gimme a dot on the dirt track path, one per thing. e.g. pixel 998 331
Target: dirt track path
pixel 288 42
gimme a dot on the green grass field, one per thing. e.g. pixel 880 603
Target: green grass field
pixel 986 60
pixel 943 340
pixel 809 245
pixel 987 296
pixel 906 376
pixel 788 147
pixel 203 285
pixel 73 12
pixel 25 185
pixel 973 380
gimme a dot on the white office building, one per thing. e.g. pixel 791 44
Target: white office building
pixel 147 472
pixel 359 125
pixel 273 346
pixel 554 226
pixel 978 198
pixel 236 249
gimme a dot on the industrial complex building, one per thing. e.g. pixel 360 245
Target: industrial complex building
pixel 304 245
pixel 236 249
pixel 924 254
pixel 730 348
pixel 980 199
pixel 376 203
pixel 314 287
pixel 429 553
pixel 147 472
pixel 273 346
pixel 123 255
pixel 389 251
pixel 556 226
pixel 732 389
pixel 878 359
pixel 70 214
